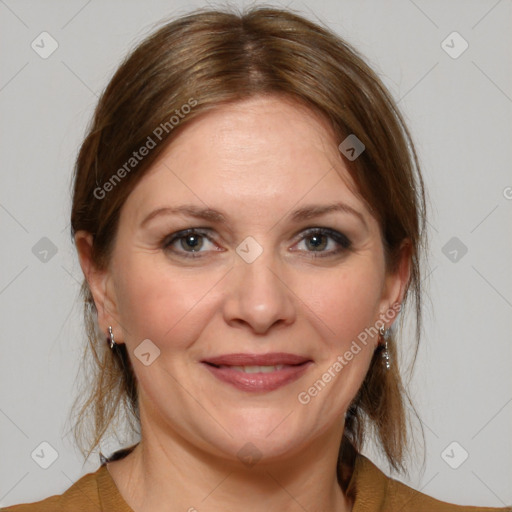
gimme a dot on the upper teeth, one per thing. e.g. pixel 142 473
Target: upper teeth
pixel 255 369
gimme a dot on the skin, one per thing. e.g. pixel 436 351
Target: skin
pixel 257 161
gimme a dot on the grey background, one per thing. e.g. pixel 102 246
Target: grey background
pixel 459 111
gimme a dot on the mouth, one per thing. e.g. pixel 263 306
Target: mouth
pixel 257 372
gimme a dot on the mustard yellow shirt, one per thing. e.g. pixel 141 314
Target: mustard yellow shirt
pixel 373 492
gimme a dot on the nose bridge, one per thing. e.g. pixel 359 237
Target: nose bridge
pixel 259 296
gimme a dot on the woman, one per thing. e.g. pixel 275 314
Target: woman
pixel 249 217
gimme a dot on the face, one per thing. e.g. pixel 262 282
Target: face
pixel 262 285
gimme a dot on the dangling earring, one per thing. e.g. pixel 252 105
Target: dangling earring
pixel 384 333
pixel 110 338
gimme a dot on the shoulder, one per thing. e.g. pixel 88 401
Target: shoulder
pixel 93 492
pixel 375 491
pixel 403 497
pixel 82 495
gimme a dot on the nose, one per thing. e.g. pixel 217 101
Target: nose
pixel 258 297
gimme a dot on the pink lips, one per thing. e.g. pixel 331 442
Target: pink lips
pixel 290 368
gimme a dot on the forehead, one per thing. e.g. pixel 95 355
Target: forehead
pixel 268 152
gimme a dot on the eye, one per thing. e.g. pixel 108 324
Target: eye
pixel 187 243
pixel 317 239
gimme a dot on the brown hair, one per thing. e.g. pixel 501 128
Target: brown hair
pixel 208 58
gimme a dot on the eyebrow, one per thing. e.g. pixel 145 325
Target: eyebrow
pixel 209 214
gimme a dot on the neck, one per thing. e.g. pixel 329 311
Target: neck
pixel 165 472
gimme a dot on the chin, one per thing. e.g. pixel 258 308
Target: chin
pixel 263 437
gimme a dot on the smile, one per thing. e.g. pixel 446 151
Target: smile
pixel 286 369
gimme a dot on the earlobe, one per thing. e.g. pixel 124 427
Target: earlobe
pixel 97 280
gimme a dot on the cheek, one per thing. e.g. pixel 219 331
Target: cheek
pixel 347 304
pixel 159 304
pixel 346 301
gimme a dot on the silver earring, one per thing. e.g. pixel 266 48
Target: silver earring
pixel 385 353
pixel 110 338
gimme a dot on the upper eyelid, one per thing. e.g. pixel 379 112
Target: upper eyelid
pixel 207 230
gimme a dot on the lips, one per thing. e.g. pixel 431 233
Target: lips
pixel 273 359
pixel 258 372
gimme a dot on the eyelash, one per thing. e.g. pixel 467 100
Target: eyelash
pixel 342 240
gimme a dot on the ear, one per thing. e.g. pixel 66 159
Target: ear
pixel 100 284
pixel 396 282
